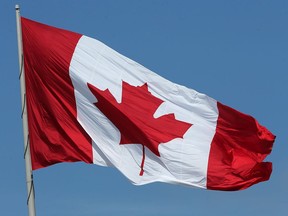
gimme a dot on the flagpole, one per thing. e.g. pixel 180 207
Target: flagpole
pixel 27 157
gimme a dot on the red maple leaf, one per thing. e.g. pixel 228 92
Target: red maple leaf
pixel 134 117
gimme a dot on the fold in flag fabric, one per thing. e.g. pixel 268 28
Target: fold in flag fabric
pixel 86 102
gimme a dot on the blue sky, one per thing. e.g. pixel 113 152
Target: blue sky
pixel 234 51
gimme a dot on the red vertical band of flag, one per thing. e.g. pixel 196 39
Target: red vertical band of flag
pixel 57 136
pixel 238 148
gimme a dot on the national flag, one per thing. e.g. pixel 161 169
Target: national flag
pixel 86 102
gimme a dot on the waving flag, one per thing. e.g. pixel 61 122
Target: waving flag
pixel 86 102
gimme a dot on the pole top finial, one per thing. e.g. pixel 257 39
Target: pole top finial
pixel 17 7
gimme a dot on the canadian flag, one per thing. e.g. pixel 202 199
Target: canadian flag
pixel 86 102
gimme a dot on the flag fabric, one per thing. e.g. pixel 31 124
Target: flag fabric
pixel 86 102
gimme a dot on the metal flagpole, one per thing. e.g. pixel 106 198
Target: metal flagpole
pixel 29 174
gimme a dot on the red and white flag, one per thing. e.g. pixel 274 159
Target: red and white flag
pixel 86 102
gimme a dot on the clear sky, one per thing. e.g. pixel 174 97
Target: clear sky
pixel 234 51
